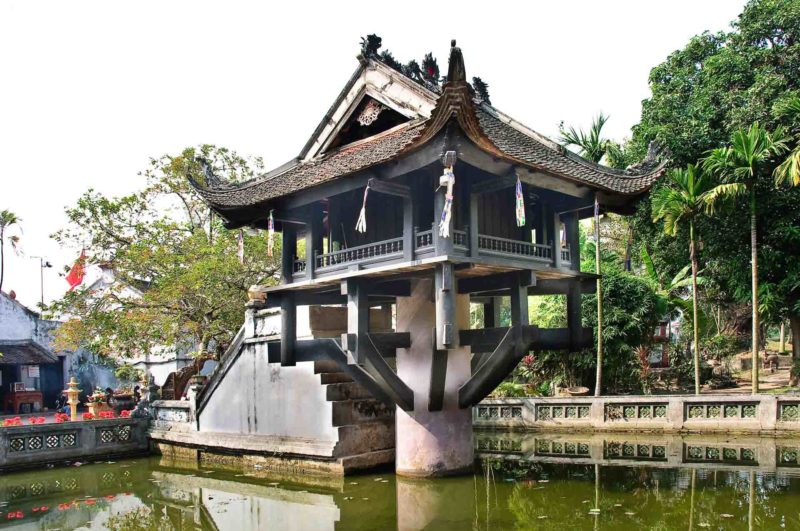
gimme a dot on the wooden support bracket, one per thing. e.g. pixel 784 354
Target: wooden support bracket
pixel 438 378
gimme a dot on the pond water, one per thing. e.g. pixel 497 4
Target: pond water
pixel 529 481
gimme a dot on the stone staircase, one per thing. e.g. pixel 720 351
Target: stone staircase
pixel 365 424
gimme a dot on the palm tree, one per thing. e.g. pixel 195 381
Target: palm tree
pixel 7 218
pixel 684 199
pixel 789 170
pixel 740 165
pixel 592 145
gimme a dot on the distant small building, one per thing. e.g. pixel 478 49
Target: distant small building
pixel 32 375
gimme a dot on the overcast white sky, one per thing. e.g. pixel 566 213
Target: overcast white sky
pixel 89 90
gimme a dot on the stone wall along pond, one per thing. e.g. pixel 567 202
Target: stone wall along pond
pixel 38 444
pixel 686 413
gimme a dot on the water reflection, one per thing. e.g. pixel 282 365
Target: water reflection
pixel 529 481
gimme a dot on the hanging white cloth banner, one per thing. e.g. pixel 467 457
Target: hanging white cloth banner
pixel 447 179
pixel 361 224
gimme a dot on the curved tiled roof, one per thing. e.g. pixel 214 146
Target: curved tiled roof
pixel 349 159
pixel 487 127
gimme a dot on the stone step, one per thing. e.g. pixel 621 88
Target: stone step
pixel 365 437
pixel 347 412
pixel 345 391
pixel 325 366
pixel 334 377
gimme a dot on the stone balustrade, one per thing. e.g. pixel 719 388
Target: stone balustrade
pixel 702 451
pixel 38 444
pixel 684 413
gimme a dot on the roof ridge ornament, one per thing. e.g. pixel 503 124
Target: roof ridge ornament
pixel 456 72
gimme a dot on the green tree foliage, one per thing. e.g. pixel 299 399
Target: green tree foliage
pixel 591 144
pixel 7 219
pixel 631 309
pixel 179 281
pixel 701 95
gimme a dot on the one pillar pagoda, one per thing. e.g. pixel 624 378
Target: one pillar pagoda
pixel 427 199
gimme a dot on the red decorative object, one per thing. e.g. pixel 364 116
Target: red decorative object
pixel 125 413
pixel 13 421
pixel 62 417
pixel 87 416
pixel 36 420
pixel 108 414
pixel 75 276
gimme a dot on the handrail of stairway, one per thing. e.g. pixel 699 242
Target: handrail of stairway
pixel 226 361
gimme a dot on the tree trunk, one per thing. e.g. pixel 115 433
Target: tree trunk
pixel 598 386
pixel 794 326
pixel 695 325
pixel 782 349
pixel 754 266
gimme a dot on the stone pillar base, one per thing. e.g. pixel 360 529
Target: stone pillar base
pixel 431 443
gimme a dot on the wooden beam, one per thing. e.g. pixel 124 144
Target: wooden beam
pixel 493 185
pixel 561 286
pixel 389 188
pixel 307 298
pixel 496 282
pixel 378 288
pixel 559 339
pixel 445 294
pixel 387 379
pixel 438 377
pixel 288 329
pixel 477 360
pixel 490 373
pixel 385 342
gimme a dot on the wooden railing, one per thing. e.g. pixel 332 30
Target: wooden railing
pixel 423 239
pixel 424 242
pixel 374 251
pixel 460 240
pixel 513 248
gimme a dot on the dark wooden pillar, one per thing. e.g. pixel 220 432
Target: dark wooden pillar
pixel 445 293
pixel 288 328
pixel 556 240
pixel 408 228
pixel 543 233
pixel 519 299
pixel 288 252
pixel 571 225
pixel 474 228
pixel 574 313
pixel 492 312
pixel 313 239
pixel 357 318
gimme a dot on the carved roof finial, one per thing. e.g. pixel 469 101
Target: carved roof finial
pixel 456 73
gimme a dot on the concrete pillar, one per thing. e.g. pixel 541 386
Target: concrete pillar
pixel 431 443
